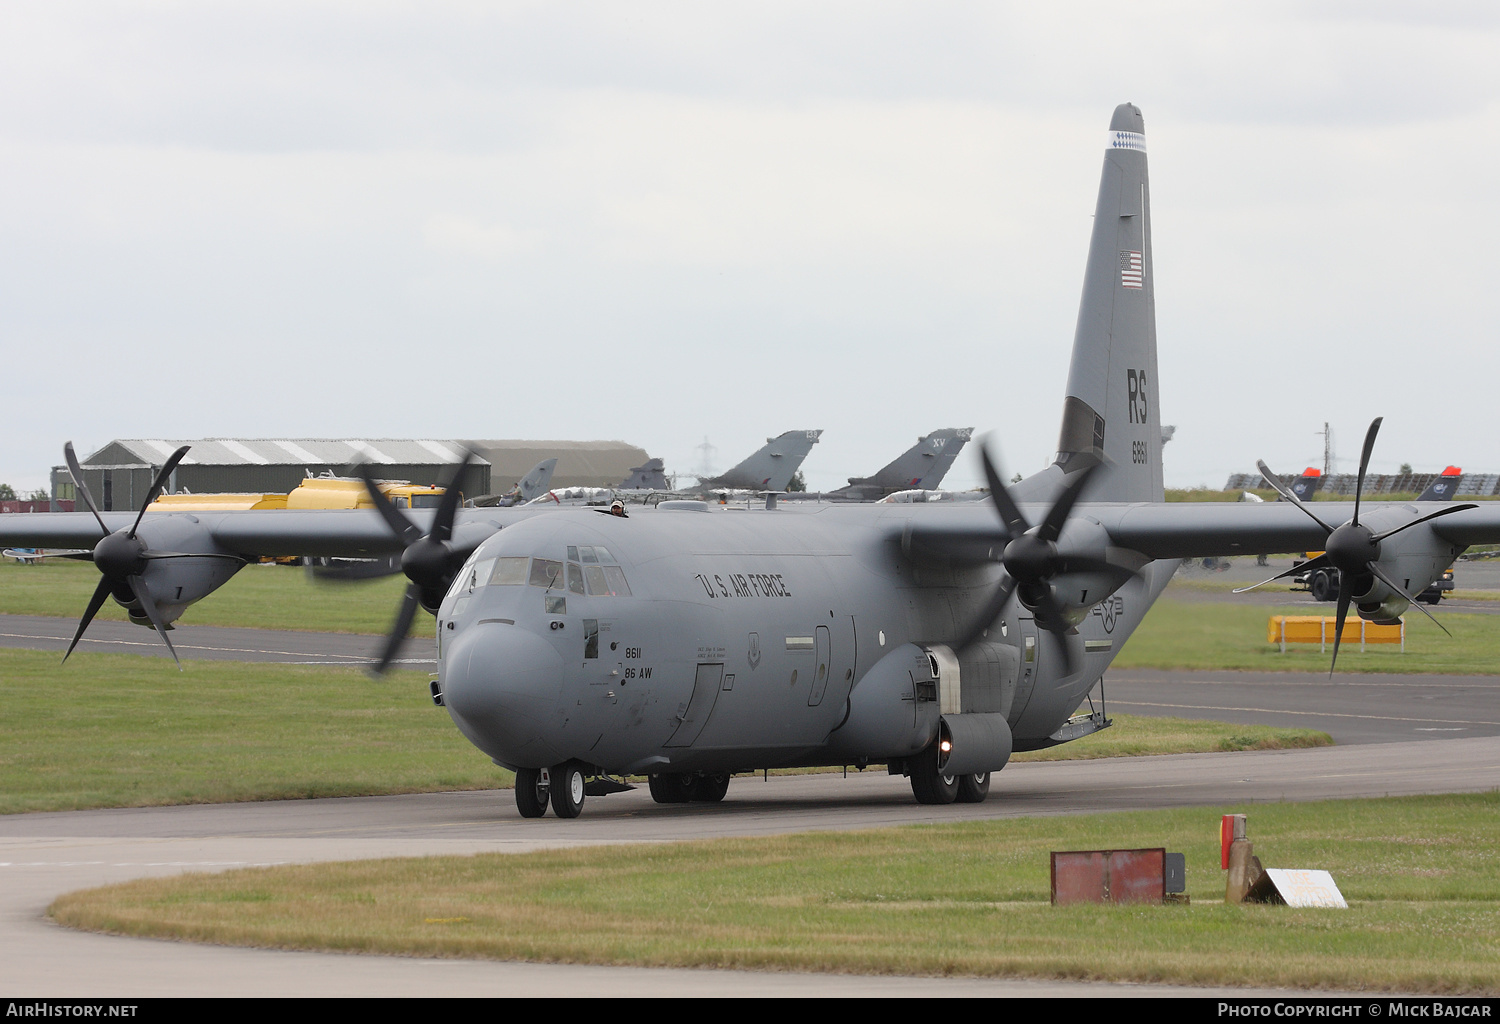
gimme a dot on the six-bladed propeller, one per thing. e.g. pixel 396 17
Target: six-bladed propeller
pixel 1032 558
pixel 122 556
pixel 429 560
pixel 1353 548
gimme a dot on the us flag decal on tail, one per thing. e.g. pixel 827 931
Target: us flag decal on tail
pixel 1130 269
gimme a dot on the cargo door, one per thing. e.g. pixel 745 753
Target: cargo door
pixel 699 706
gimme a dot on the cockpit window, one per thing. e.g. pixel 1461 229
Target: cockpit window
pixel 597 586
pixel 588 554
pixel 479 575
pixel 546 573
pixel 615 576
pixel 575 578
pixel 509 572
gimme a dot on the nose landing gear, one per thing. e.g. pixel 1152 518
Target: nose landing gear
pixel 561 785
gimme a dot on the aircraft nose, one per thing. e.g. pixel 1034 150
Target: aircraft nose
pixel 502 687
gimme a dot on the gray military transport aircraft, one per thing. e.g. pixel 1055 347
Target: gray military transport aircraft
pixel 687 643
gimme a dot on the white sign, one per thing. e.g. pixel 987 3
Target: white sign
pixel 1306 888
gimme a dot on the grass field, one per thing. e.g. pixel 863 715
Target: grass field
pixel 1420 875
pixel 1178 634
pixel 259 597
pixel 124 731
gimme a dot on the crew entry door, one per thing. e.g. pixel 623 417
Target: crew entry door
pixel 822 649
pixel 699 706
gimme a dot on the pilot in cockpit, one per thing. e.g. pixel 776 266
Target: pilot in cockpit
pixel 618 509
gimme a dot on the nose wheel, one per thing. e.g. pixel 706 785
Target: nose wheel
pixel 567 790
pixel 533 787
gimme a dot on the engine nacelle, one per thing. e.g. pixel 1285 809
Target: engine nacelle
pixel 176 583
pixel 1413 558
pixel 1077 592
pixel 973 743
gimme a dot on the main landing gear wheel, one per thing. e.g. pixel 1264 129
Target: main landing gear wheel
pixel 531 792
pixel 567 790
pixel 927 785
pixel 710 788
pixel 674 787
pixel 972 789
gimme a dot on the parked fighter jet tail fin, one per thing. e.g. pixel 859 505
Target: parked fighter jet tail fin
pixel 535 483
pixel 770 468
pixel 1444 487
pixel 920 467
pixel 1111 411
pixel 651 476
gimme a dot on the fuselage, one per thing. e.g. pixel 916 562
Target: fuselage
pixel 728 640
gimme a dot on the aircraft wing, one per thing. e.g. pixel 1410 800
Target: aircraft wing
pixel 1197 530
pixel 354 533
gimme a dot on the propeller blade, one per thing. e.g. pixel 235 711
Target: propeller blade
pixel 143 595
pixel 1057 515
pixel 1052 617
pixel 442 522
pixel 162 476
pixel 1431 515
pixel 1346 594
pixel 76 472
pixel 401 526
pixel 1383 578
pixel 1286 492
pixel 986 615
pixel 1301 567
pixel 398 632
pixel 1364 462
pixel 1015 523
pixel 192 554
pixel 95 603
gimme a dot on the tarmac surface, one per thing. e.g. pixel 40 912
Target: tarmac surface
pixel 45 855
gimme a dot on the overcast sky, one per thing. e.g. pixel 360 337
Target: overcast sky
pixel 661 222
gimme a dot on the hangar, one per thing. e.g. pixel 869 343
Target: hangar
pixel 579 463
pixel 120 473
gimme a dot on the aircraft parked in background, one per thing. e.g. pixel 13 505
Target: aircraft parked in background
pixel 769 469
pixel 920 468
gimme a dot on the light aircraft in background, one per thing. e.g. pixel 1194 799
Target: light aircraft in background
pixel 934 638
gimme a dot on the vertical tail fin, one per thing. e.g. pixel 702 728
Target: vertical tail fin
pixel 922 466
pixel 651 476
pixel 771 468
pixel 1111 413
pixel 535 483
